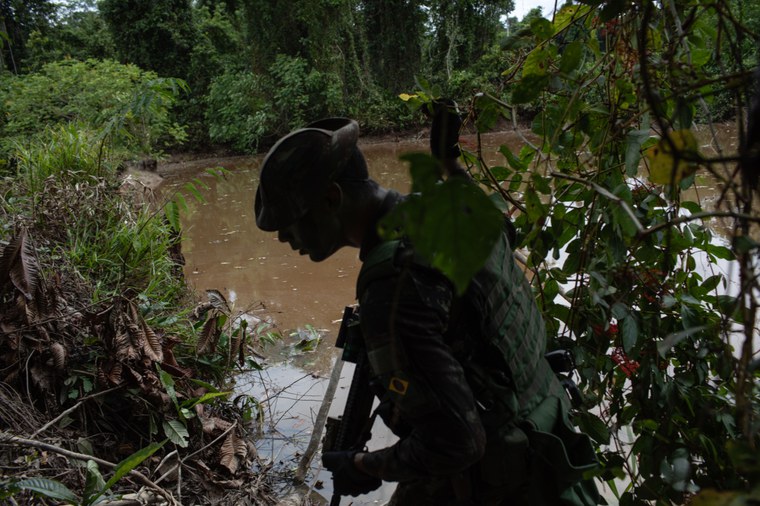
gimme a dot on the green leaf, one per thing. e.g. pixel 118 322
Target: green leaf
pixel 191 403
pixel 542 28
pixel 692 207
pixel 49 488
pixel 207 386
pixel 720 252
pixel 134 460
pixel 425 171
pixel 171 210
pixel 176 432
pixel 539 61
pixel 533 205
pixel 742 244
pixel 513 161
pixel 594 427
pixel 629 329
pixel 671 340
pixel 673 158
pixel 634 140
pixel 620 311
pixel 193 189
pixel 529 88
pixel 168 382
pixel 454 225
pixel 94 484
pixel 571 56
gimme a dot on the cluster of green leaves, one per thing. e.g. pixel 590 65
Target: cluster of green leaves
pixel 95 488
pixel 128 108
pixel 663 346
pixel 244 108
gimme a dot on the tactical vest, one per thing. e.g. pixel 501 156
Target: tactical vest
pixel 508 322
pixel 511 338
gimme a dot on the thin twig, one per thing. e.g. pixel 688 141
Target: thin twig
pixel 700 216
pixel 319 425
pixel 212 443
pixel 71 410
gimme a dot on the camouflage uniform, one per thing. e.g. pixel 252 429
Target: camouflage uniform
pixel 455 376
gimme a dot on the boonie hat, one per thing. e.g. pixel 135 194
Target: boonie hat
pixel 299 166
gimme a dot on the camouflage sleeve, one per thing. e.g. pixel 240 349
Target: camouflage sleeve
pixel 403 320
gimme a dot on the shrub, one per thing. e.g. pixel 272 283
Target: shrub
pixel 237 112
pixel 128 105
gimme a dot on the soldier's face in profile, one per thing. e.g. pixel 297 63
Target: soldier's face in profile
pixel 318 233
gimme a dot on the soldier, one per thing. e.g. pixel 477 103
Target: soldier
pixel 462 380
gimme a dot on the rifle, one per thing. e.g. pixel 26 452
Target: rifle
pixel 352 430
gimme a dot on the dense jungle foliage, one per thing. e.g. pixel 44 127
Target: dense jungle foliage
pixel 620 102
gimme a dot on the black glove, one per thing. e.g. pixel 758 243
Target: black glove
pixel 444 132
pixel 347 479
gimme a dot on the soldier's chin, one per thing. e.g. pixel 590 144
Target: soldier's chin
pixel 318 256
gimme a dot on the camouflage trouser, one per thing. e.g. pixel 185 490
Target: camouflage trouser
pixel 440 492
pixel 430 492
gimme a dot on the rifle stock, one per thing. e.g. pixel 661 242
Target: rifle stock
pixel 352 430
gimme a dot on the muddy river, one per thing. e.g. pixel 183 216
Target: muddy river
pixel 225 251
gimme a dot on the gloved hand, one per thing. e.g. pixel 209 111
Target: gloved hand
pixel 444 132
pixel 347 479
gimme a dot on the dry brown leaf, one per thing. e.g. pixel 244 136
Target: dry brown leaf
pixel 152 345
pixel 234 348
pixel 59 356
pixel 42 378
pixel 232 452
pixel 217 300
pixel 115 375
pixel 209 336
pixel 123 346
pixel 19 263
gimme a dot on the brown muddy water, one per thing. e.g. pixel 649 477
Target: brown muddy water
pixel 225 251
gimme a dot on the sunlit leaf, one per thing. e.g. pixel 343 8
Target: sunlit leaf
pixel 673 158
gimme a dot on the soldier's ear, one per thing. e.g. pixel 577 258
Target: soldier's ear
pixel 334 196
